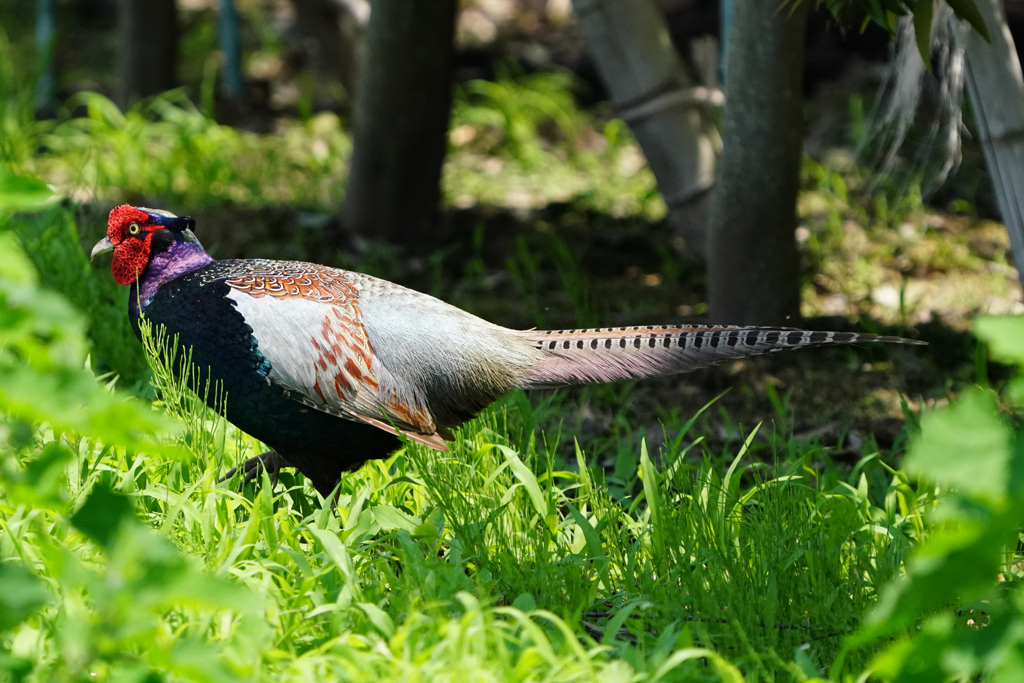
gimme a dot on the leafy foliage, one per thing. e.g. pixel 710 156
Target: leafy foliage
pixel 885 12
pixel 165 146
pixel 958 613
pixel 52 241
pixel 43 374
pixel 869 242
pixel 521 141
pixel 513 108
pixel 165 150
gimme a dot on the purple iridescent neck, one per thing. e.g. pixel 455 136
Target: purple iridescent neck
pixel 180 258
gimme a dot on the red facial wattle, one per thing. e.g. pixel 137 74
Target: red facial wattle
pixel 131 251
pixel 130 258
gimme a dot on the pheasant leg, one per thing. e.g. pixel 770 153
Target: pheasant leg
pixel 271 461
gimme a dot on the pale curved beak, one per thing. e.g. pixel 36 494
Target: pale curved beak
pixel 102 247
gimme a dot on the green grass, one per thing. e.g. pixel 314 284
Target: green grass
pixel 520 142
pixel 874 249
pixel 536 549
pixel 495 561
pixel 166 149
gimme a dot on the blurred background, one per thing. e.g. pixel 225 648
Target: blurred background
pixel 845 164
pixel 544 163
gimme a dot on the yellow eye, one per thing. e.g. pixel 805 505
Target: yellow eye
pixel 134 228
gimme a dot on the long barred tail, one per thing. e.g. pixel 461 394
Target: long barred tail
pixel 616 353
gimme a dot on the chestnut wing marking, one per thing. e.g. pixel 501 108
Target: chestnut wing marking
pixel 312 333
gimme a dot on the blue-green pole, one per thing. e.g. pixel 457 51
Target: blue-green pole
pixel 727 7
pixel 231 46
pixel 47 84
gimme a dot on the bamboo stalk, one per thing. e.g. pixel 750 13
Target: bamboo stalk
pixel 995 86
pixel 630 44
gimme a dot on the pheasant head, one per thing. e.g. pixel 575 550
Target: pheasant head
pixel 151 248
pixel 136 235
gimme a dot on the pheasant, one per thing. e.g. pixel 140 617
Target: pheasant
pixel 331 368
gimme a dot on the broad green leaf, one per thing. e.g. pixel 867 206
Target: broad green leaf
pixel 15 267
pixel 923 12
pixel 918 658
pixel 379 618
pixel 42 481
pixel 43 378
pixel 19 193
pixel 611 628
pixel 957 564
pixel 943 650
pixel 653 496
pixel 968 11
pixel 1004 335
pixel 877 13
pixel 966 446
pixel 21 594
pixel 337 553
pixel 195 660
pixel 201 590
pixel 71 399
pixel 525 602
pixel 102 515
pixel 528 480
pixel 390 518
pixel 726 671
pixel 589 532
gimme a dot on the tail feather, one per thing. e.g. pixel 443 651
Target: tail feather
pixel 616 353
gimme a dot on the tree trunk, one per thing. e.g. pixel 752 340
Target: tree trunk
pixel 630 44
pixel 996 88
pixel 401 120
pixel 334 32
pixel 149 48
pixel 753 264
